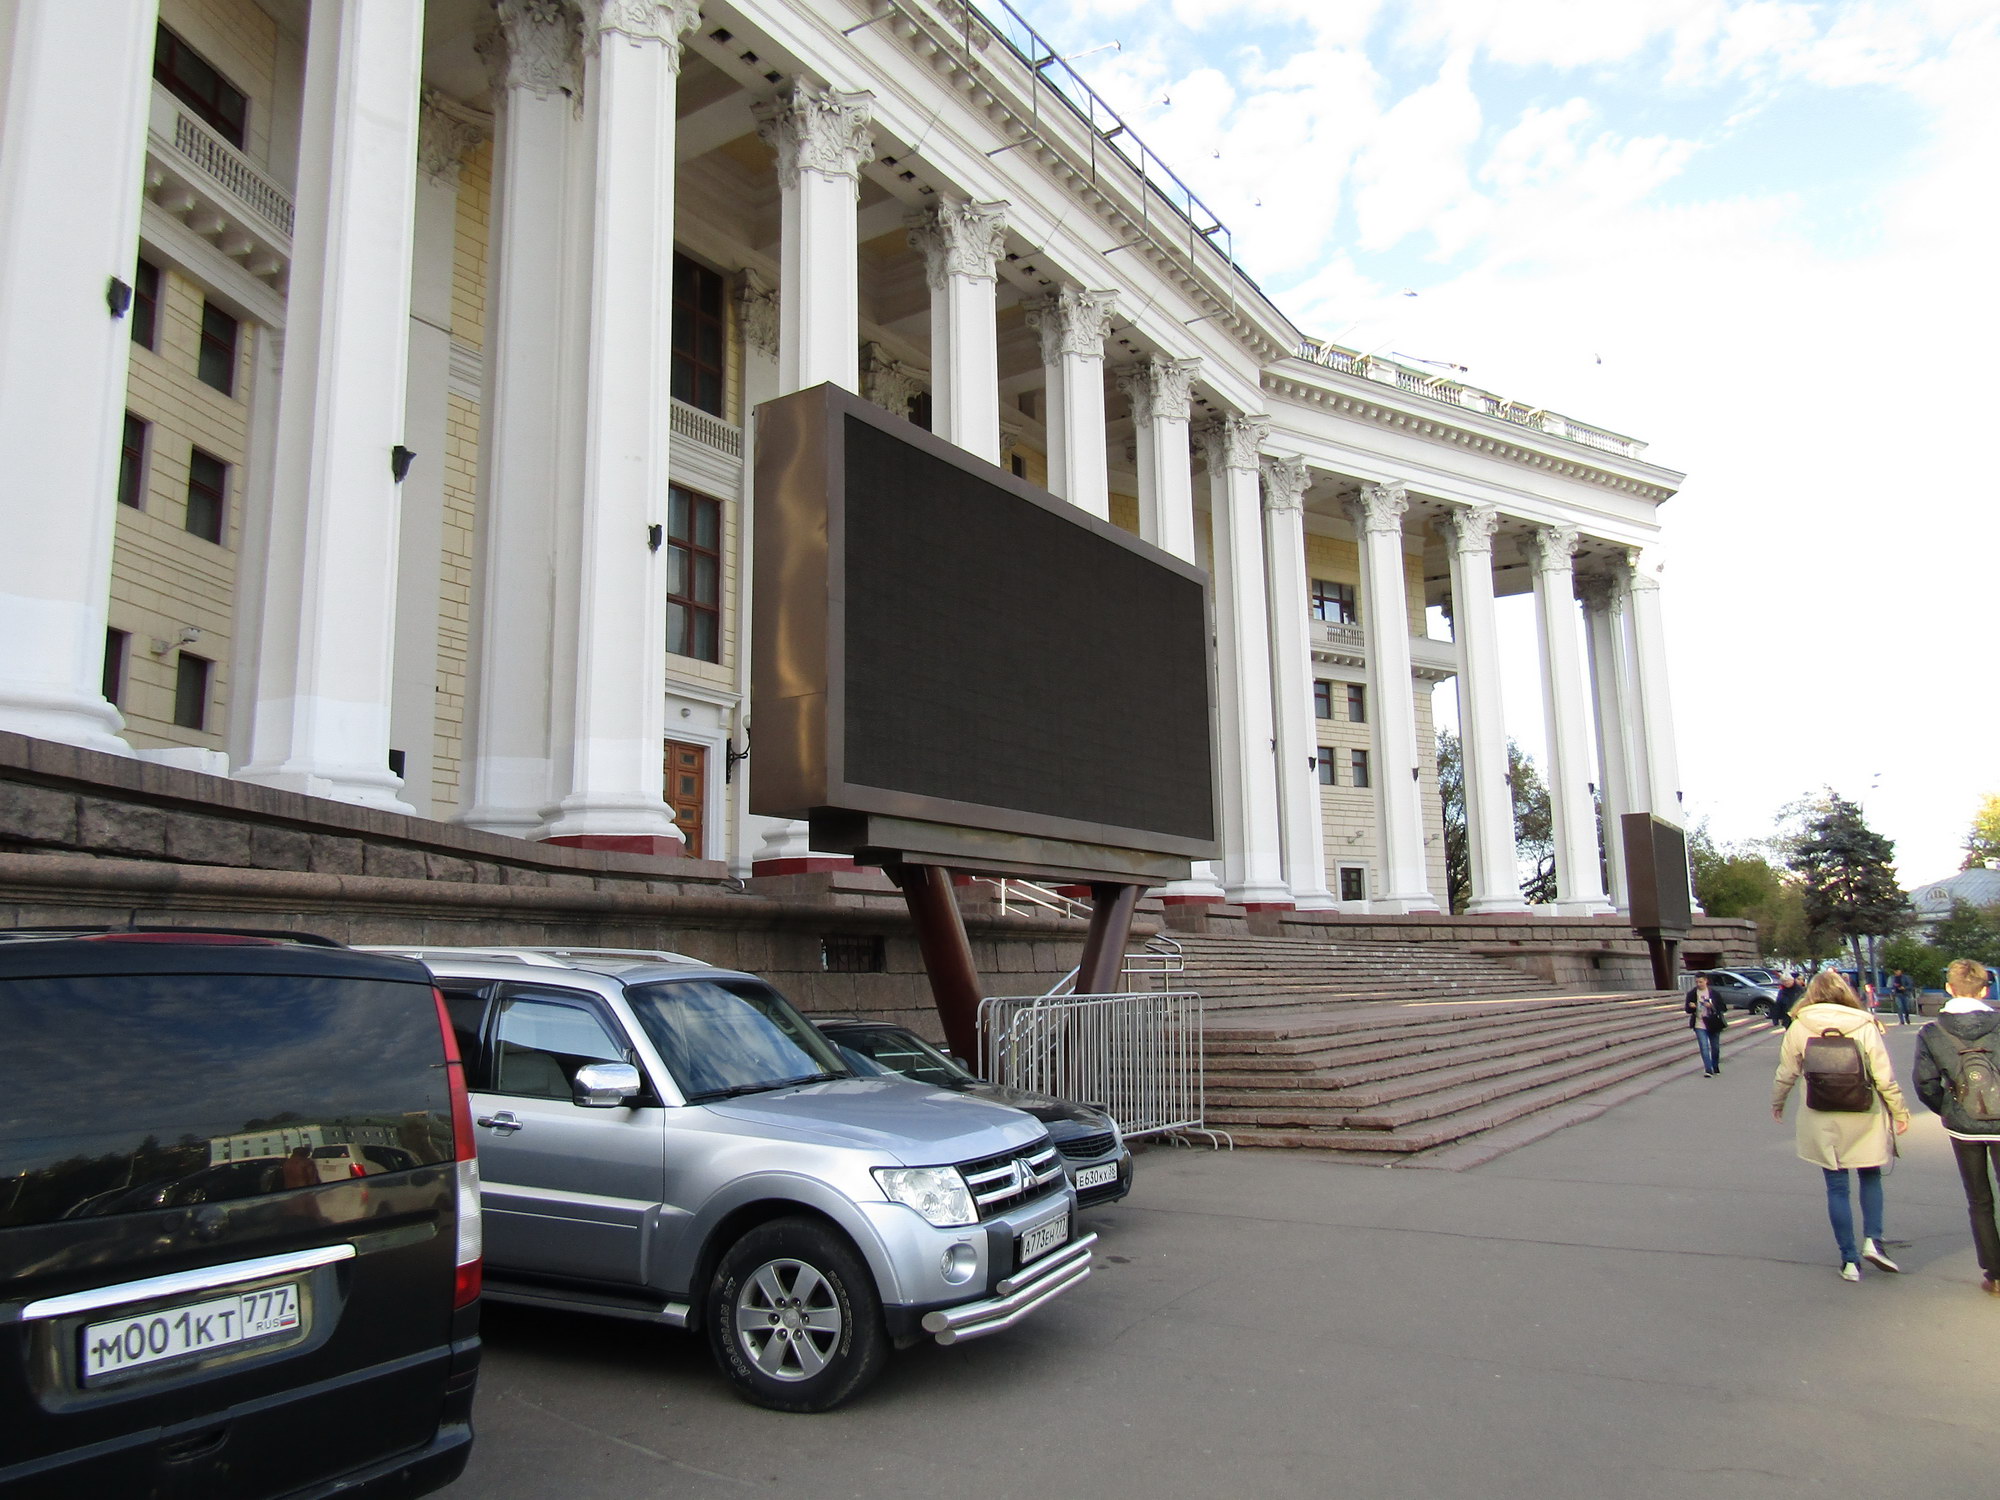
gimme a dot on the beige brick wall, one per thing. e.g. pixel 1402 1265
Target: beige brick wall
pixel 164 579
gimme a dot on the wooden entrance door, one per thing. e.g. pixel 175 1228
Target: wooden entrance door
pixel 687 792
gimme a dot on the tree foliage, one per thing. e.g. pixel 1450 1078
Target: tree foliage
pixel 1740 880
pixel 1847 874
pixel 1534 824
pixel 1967 931
pixel 1982 842
pixel 1923 963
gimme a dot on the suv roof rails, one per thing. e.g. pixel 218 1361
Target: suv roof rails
pixel 190 932
pixel 546 958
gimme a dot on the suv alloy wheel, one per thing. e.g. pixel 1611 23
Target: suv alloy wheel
pixel 794 1319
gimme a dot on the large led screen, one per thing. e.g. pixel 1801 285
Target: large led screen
pixel 938 640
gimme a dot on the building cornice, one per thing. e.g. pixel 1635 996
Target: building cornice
pixel 1310 386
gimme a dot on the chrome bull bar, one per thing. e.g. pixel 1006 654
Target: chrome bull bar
pixel 1017 1295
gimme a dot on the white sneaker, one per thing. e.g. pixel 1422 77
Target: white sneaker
pixel 1872 1253
pixel 1850 1272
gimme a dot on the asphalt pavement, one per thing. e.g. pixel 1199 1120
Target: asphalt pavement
pixel 1644 1305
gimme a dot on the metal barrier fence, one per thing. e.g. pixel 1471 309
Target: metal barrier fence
pixel 1137 1056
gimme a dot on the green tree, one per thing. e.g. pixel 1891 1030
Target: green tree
pixel 1534 825
pixel 1983 841
pixel 1923 963
pixel 1967 932
pixel 1848 876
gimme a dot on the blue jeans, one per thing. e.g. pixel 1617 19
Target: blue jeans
pixel 1710 1043
pixel 1840 1209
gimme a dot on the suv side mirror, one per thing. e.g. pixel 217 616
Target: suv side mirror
pixel 606 1085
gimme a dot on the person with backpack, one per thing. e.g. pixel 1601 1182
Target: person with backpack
pixel 1958 1077
pixel 1709 1020
pixel 1851 1105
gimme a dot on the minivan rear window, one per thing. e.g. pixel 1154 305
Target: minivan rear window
pixel 130 1092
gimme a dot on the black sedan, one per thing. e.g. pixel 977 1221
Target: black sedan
pixel 1094 1153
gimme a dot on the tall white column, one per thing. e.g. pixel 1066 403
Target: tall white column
pixel 444 135
pixel 73 103
pixel 1304 835
pixel 1377 514
pixel 1654 698
pixel 1482 728
pixel 1579 881
pixel 321 724
pixel 1073 324
pixel 1246 757
pixel 1603 641
pixel 960 244
pixel 1160 390
pixel 616 783
pixel 538 276
pixel 822 140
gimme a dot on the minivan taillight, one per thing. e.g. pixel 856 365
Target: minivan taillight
pixel 466 1290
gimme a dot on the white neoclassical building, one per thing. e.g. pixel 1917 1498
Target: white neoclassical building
pixel 377 378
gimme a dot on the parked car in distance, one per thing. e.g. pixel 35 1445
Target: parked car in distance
pixel 670 1142
pixel 1094 1152
pixel 190 1304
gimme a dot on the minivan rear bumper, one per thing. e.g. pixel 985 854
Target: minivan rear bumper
pixel 431 1468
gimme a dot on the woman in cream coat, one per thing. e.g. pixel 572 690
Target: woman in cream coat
pixel 1837 1142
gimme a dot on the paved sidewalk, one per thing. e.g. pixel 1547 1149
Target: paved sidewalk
pixel 1642 1306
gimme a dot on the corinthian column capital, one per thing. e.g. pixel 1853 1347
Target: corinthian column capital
pixel 1642 570
pixel 1160 389
pixel 959 239
pixel 816 130
pixel 532 47
pixel 1072 321
pixel 1553 548
pixel 1233 442
pixel 1379 509
pixel 643 21
pixel 1470 528
pixel 758 305
pixel 1286 481
pixel 446 130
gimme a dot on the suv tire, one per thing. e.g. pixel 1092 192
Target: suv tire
pixel 793 1317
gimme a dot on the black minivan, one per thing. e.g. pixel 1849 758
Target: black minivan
pixel 239 1224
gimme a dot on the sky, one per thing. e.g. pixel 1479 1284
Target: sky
pixel 1759 236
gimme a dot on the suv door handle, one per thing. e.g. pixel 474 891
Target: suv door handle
pixel 504 1122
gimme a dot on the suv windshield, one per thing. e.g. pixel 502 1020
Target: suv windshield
pixel 720 1037
pixel 904 1052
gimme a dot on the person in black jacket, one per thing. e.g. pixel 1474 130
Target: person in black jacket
pixel 1790 987
pixel 1965 1030
pixel 1708 1018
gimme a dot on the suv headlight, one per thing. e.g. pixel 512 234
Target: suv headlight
pixel 938 1193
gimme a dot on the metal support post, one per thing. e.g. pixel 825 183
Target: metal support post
pixel 927 891
pixel 1111 910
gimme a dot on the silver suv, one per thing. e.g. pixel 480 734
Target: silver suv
pixel 671 1142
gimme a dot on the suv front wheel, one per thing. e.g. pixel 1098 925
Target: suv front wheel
pixel 793 1317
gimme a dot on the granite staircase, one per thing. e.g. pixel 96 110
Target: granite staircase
pixel 1412 1055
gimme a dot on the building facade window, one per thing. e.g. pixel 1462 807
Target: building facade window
pixel 1324 765
pixel 132 464
pixel 1359 760
pixel 191 674
pixel 694 575
pixel 1357 703
pixel 116 643
pixel 208 489
pixel 145 304
pixel 1322 699
pixel 1353 883
pixel 698 372
pixel 194 80
pixel 219 333
pixel 1334 603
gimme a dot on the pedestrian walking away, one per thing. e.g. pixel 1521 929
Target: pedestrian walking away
pixel 1904 989
pixel 1958 1077
pixel 1708 1019
pixel 1851 1114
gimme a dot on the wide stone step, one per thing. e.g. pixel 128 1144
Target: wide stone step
pixel 1373 1043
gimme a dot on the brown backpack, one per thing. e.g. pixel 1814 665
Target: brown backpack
pixel 1836 1073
